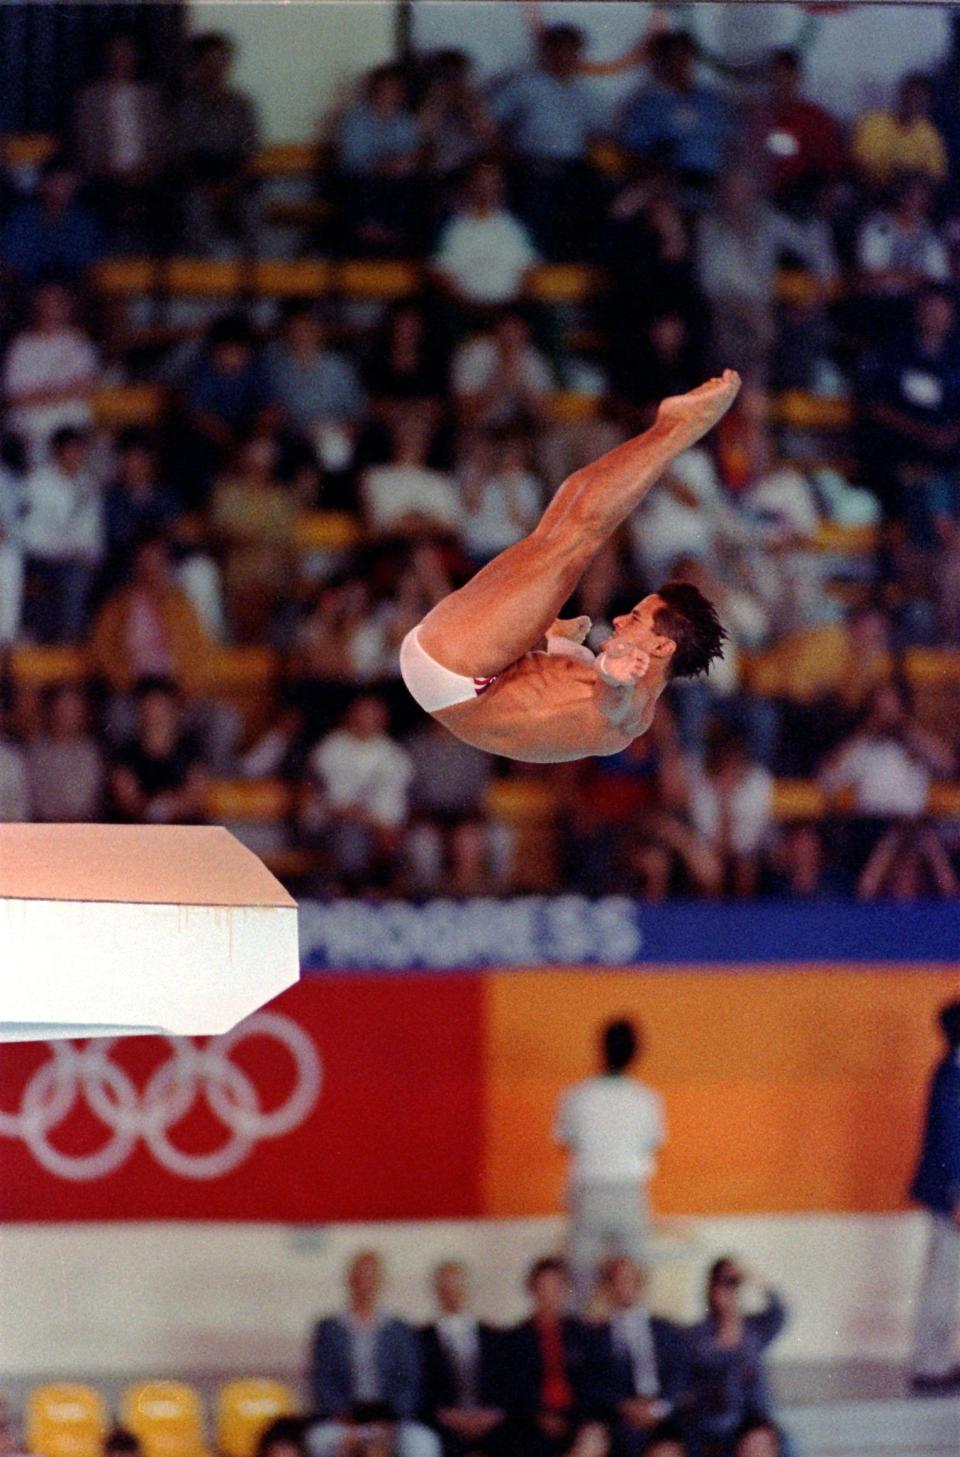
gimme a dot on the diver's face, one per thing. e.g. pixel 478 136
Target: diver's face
pixel 638 627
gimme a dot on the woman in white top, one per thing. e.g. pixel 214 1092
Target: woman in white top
pixel 49 373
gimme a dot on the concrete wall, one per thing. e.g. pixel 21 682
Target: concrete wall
pixel 295 58
pixel 134 1299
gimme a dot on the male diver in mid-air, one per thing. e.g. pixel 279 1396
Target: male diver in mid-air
pixel 494 664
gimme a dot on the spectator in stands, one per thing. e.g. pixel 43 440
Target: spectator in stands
pixel 484 254
pixel 11 547
pixel 545 1364
pixel 899 249
pixel 612 1126
pixel 677 120
pixel 319 389
pixel 135 504
pixel 406 497
pixel 14 784
pixel 120 129
pixel 50 371
pixel 53 232
pixel 453 118
pixel 887 763
pixel 690 517
pixel 910 401
pixel 462 1377
pixel 405 363
pixel 499 378
pixel 904 139
pixel 157 777
pixel 223 392
pixel 214 138
pixel 731 805
pixel 253 520
pixel 452 845
pixel 936 1186
pixel 548 119
pixel 359 801
pixel 740 245
pixel 377 146
pixel 909 863
pixel 502 499
pixel 63 538
pixel 148 628
pixel 65 767
pixel 801 869
pixel 728 1411
pixel 636 1366
pixel 802 143
pixel 365 1367
pixel 283 1438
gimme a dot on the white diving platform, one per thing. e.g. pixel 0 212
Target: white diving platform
pixel 112 930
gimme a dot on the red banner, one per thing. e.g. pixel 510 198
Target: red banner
pixel 348 1098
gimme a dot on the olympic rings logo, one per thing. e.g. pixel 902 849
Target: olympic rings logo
pixel 171 1091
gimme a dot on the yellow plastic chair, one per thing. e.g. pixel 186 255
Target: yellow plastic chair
pixel 65 1420
pixel 167 1417
pixel 245 1408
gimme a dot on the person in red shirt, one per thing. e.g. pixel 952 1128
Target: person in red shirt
pixel 544 1362
pixel 801 142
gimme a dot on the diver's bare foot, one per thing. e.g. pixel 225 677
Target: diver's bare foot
pixel 690 416
pixel 574 629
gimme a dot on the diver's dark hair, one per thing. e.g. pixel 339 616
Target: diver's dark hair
pixel 691 620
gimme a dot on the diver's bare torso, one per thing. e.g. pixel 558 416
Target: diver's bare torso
pixel 542 709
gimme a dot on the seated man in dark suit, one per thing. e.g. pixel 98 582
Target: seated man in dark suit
pixel 545 1368
pixel 365 1373
pixel 637 1368
pixel 461 1370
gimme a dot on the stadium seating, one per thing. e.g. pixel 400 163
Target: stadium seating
pixel 245 1408
pixel 65 1420
pixel 167 1416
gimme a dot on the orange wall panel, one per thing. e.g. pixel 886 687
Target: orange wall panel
pixel 788 1090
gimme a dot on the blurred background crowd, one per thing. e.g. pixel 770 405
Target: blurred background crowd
pixel 254 427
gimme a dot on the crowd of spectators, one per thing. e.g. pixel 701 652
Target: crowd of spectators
pixel 429 425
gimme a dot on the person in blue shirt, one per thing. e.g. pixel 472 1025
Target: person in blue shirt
pixel 548 118
pixel 936 1186
pixel 51 233
pixel 676 120
pixel 377 149
pixel 221 395
pixel 727 1409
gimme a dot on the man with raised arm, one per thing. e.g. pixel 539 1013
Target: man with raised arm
pixel 494 664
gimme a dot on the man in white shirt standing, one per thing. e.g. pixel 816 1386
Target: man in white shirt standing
pixel 485 253
pixel 612 1125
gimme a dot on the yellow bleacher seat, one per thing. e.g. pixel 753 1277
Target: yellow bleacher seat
pixel 529 807
pixel 65 1420
pixel 797 799
pixel 167 1417
pixel 563 282
pixel 932 665
pixel 803 411
pixel 253 800
pixel 573 405
pixel 39 666
pixel 384 278
pixel 30 149
pixel 327 531
pixel 854 540
pixel 133 404
pixel 286 159
pixel 205 277
pixel 289 278
pixel 241 668
pixel 245 1408
pixel 305 213
pixel 124 275
pixel 944 800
